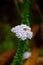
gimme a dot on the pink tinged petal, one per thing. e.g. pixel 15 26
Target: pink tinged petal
pixel 29 35
pixel 26 55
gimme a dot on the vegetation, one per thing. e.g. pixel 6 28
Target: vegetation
pixel 11 12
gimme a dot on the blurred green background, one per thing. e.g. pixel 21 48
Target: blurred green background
pixel 9 17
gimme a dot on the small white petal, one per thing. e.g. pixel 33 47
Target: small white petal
pixel 29 35
pixel 26 55
pixel 12 29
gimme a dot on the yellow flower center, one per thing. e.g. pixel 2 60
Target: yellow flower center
pixel 24 29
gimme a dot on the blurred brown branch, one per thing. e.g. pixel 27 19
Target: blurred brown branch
pixel 7 56
pixel 35 29
pixel 39 60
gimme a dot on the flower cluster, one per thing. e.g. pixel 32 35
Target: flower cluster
pixel 22 31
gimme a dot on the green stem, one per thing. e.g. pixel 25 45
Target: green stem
pixel 18 58
pixel 22 44
pixel 26 13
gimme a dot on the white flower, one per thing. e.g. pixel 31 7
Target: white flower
pixel 29 34
pixel 22 35
pixel 22 31
pixel 26 55
pixel 25 26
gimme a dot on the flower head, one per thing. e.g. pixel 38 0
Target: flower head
pixel 22 31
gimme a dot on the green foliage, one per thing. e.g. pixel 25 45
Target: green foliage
pixel 41 52
pixel 9 15
pixel 9 40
